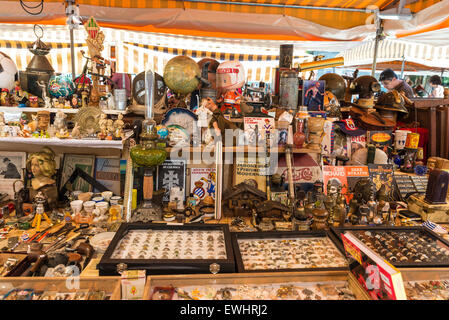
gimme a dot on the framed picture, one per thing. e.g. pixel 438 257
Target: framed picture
pixel 85 163
pixel 171 173
pixel 313 95
pixel 107 172
pixel 12 165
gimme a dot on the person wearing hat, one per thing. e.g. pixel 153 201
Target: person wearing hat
pixel 390 81
pixel 437 88
pixel 11 171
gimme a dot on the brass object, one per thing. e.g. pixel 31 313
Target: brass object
pixel 88 118
pixel 335 84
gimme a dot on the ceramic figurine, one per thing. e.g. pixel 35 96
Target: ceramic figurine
pixel 109 129
pixel 84 98
pixel 75 101
pixel 60 124
pixel 20 96
pixel 4 97
pixel 2 125
pixel 67 104
pixel 46 99
pixel 33 102
pixel 76 131
pixel 54 103
pixel 118 127
pixel 102 122
pixel 43 120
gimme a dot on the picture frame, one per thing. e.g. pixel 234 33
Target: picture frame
pixel 313 95
pixel 12 168
pixel 70 163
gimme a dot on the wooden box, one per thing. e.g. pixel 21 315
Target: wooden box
pixel 110 285
pixel 266 278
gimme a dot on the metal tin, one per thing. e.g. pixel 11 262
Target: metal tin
pixel 288 89
pixel 412 141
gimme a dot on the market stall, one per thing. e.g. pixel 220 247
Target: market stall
pixel 156 162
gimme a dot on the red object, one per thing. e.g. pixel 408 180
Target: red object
pixel 11 207
pixel 423 138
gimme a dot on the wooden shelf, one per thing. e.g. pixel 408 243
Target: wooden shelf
pixel 242 149
pixel 54 110
pixel 77 143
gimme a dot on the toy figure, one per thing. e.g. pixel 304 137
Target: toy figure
pixel 75 101
pixel 4 97
pixel 230 79
pixel 218 122
pixel 210 181
pixel 20 96
pixel 55 102
pixel 43 120
pixel 43 167
pixel 45 98
pixel 33 101
pixel 67 104
pixel 60 124
pixel 33 123
pixel 118 127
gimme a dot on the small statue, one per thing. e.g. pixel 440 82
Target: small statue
pixel 102 122
pixel 45 98
pixel 55 102
pixel 2 125
pixel 20 96
pixel 43 167
pixel 109 129
pixel 84 98
pixel 67 104
pixel 60 122
pixel 75 101
pixel 33 123
pixel 118 127
pixel 43 120
pixel 218 122
pixel 76 133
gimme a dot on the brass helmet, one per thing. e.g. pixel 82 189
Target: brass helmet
pixel 365 87
pixel 335 84
pixel 391 101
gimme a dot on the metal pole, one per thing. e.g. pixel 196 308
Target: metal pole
pixel 402 67
pixel 273 5
pixel 72 52
pixel 376 44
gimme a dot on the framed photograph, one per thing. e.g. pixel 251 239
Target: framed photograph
pixel 85 163
pixel 313 95
pixel 107 172
pixel 12 165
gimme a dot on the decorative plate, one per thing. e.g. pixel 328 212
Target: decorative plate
pixel 181 117
pixel 177 134
pixel 87 118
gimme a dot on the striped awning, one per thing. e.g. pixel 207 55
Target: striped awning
pixel 335 19
pixel 395 50
pixel 16 44
pixel 209 54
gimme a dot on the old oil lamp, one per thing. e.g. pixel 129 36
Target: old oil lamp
pixel 148 155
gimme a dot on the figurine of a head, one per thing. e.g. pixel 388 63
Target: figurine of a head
pixel 42 163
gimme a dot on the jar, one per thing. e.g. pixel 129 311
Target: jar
pixel 115 212
pixel 299 137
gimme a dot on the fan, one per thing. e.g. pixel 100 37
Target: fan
pixel 139 88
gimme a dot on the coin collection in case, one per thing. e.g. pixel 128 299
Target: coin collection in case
pixel 332 290
pixel 169 249
pixel 405 247
pixel 280 251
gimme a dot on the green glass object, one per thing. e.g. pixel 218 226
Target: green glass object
pixel 144 157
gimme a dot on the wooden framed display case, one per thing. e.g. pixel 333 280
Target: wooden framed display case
pixel 94 288
pixel 259 286
pixel 286 251
pixel 426 283
pixel 403 247
pixel 21 263
pixel 173 255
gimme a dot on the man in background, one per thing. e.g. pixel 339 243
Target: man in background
pixel 390 81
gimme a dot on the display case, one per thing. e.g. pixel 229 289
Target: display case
pixel 12 264
pixel 426 284
pixel 40 288
pixel 401 246
pixel 169 249
pixel 313 285
pixel 286 251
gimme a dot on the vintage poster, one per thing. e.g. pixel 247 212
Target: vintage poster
pixel 171 173
pixel 12 165
pixel 355 143
pixel 381 139
pixel 335 176
pixel 313 96
pixel 382 175
pixel 73 161
pixel 107 172
pixel 258 128
pixel 305 169
pixel 202 182
pixel 251 170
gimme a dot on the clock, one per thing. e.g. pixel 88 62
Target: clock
pixel 139 88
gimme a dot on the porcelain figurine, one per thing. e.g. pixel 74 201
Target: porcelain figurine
pixel 118 127
pixel 2 125
pixel 76 134
pixel 4 97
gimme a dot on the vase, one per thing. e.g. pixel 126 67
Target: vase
pixel 299 137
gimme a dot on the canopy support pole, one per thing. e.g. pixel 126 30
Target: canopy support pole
pixel 402 67
pixel 72 53
pixel 379 37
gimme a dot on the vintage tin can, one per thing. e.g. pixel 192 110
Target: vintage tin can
pixel 285 56
pixel 412 141
pixel 288 89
